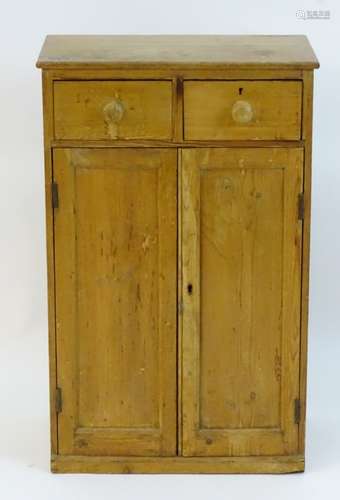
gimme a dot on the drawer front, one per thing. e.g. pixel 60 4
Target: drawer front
pixel 241 110
pixel 99 110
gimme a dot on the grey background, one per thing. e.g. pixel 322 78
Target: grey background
pixel 24 434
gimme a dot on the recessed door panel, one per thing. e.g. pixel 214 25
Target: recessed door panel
pixel 241 289
pixel 115 254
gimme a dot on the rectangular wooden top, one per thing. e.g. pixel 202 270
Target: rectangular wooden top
pixel 220 51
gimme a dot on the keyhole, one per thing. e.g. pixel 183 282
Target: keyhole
pixel 190 289
pixel 240 90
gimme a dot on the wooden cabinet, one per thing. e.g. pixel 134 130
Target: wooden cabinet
pixel 178 175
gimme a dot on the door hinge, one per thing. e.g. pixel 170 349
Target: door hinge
pixel 301 206
pixel 55 195
pixel 180 307
pixel 58 400
pixel 297 411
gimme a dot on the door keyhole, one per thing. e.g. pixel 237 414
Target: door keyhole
pixel 190 289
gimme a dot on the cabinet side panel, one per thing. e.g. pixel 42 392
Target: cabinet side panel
pixel 47 87
pixel 307 124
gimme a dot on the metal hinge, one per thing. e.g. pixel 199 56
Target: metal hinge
pixel 180 307
pixel 55 195
pixel 301 206
pixel 58 400
pixel 297 411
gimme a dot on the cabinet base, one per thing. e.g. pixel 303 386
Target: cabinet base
pixel 177 465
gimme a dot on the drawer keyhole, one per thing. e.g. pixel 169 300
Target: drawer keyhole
pixel 189 289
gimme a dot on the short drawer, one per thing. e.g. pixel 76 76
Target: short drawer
pixel 99 110
pixel 241 110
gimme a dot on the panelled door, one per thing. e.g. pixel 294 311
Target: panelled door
pixel 115 270
pixel 241 262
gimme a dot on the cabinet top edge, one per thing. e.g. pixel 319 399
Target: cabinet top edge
pixel 171 51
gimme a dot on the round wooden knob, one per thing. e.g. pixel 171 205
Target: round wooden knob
pixel 114 111
pixel 242 112
pixel 113 114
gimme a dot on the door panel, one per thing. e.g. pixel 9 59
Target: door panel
pixel 115 255
pixel 241 316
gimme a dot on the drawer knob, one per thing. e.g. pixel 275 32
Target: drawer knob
pixel 242 112
pixel 113 115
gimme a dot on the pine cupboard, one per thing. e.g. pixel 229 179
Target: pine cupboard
pixel 178 182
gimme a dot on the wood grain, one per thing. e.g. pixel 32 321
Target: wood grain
pixel 307 187
pixel 174 144
pixel 241 245
pixel 129 122
pixel 115 243
pixel 275 110
pixel 112 51
pixel 48 135
pixel 179 307
pixel 178 465
pixel 80 110
pixel 183 72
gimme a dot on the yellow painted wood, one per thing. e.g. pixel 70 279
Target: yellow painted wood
pixel 241 322
pixel 244 110
pixel 113 110
pixel 115 247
